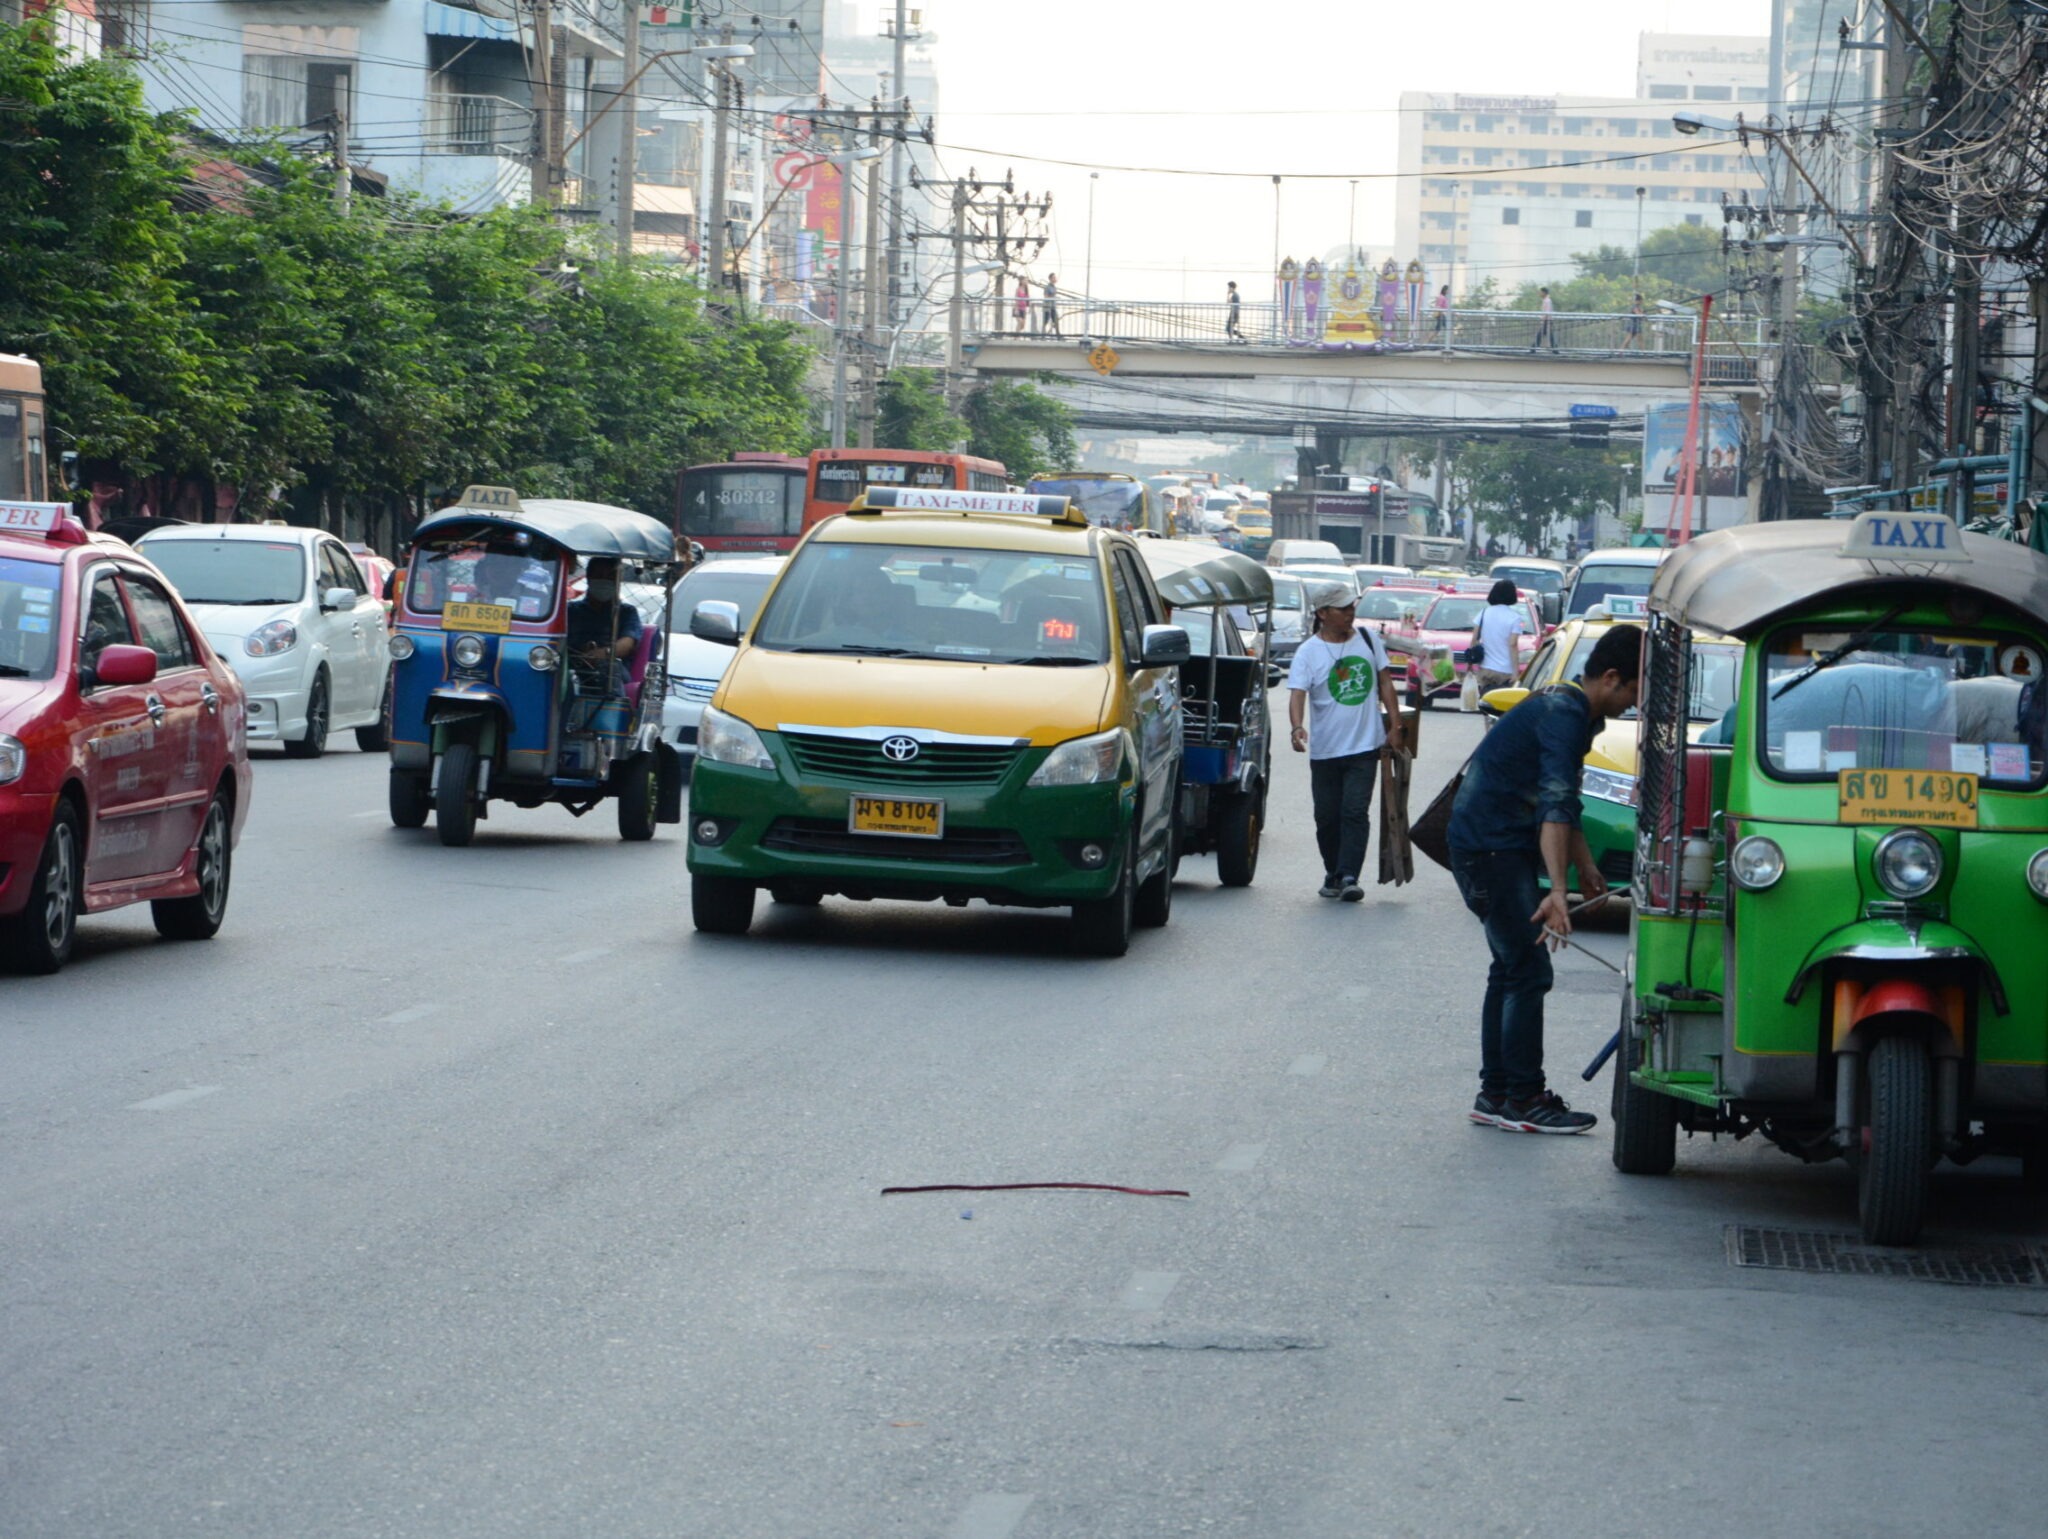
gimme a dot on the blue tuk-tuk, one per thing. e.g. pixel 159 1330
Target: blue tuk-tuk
pixel 507 686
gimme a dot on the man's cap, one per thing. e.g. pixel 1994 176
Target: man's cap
pixel 1331 595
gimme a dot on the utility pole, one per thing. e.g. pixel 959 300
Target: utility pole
pixel 871 309
pixel 842 305
pixel 540 79
pixel 344 173
pixel 714 203
pixel 629 125
pixel 900 32
pixel 1888 452
pixel 1972 22
pixel 956 308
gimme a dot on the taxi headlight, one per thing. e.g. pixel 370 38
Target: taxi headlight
pixel 468 651
pixel 14 761
pixel 543 658
pixel 1609 786
pixel 723 738
pixel 401 646
pixel 1908 863
pixel 1083 761
pixel 272 640
pixel 2037 870
pixel 1756 863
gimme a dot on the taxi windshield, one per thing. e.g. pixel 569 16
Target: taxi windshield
pixel 1903 699
pixel 1453 614
pixel 1390 604
pixel 232 571
pixel 28 618
pixel 985 606
pixel 1541 578
pixel 496 571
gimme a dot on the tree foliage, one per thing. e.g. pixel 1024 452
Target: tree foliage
pixel 1518 486
pixel 912 413
pixel 1680 263
pixel 1014 421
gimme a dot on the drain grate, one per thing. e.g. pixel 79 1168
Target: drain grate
pixel 1807 1250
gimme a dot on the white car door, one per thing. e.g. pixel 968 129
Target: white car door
pixel 371 631
pixel 341 635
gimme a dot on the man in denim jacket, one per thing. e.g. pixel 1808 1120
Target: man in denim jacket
pixel 1517 818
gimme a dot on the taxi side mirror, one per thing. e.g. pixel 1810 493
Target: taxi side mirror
pixel 1553 605
pixel 716 620
pixel 1164 646
pixel 120 663
pixel 1498 702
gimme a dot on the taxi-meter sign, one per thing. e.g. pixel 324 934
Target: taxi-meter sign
pixel 1103 358
pixel 31 517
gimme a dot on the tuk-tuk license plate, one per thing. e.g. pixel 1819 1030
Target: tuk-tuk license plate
pixel 1909 796
pixel 902 820
pixel 492 619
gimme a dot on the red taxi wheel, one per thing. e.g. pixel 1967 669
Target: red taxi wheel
pixel 39 938
pixel 198 917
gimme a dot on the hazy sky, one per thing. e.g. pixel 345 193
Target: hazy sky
pixel 1260 89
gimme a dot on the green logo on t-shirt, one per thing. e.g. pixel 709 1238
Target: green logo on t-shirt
pixel 1351 680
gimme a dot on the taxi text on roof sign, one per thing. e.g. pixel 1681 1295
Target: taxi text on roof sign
pixel 1911 538
pixel 906 498
pixel 31 517
pixel 490 499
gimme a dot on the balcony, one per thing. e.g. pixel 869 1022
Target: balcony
pixel 478 125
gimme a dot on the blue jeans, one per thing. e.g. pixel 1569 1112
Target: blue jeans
pixel 1500 887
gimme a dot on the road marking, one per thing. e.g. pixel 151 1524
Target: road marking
pixel 1241 1156
pixel 172 1098
pixel 1148 1290
pixel 991 1515
pixel 379 813
pixel 1308 1063
pixel 408 1014
pixel 588 954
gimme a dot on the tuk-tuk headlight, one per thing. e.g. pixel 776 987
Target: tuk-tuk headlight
pixel 401 647
pixel 1083 761
pixel 723 738
pixel 468 651
pixel 1908 863
pixel 543 658
pixel 2037 874
pixel 1756 864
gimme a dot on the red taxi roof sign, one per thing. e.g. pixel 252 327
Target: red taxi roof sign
pixel 43 518
pixel 908 499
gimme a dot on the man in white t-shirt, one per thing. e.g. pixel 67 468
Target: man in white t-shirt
pixel 1334 680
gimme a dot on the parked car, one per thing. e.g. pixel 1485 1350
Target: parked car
pixel 124 768
pixel 694 665
pixel 292 613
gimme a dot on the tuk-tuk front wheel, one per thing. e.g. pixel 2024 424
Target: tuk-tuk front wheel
pixel 1237 837
pixel 410 799
pixel 1645 1123
pixel 1898 1142
pixel 721 905
pixel 639 796
pixel 455 795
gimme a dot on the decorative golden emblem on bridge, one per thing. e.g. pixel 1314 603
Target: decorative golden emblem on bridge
pixel 1103 358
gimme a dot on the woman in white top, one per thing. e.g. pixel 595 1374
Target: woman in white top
pixel 1503 619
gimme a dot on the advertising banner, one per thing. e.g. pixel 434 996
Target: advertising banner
pixel 1721 491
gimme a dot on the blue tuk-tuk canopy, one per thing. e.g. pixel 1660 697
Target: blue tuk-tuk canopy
pixel 583 528
pixel 1737 581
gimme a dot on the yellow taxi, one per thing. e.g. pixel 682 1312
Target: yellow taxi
pixel 946 695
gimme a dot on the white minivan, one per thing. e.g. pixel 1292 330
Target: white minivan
pixel 291 613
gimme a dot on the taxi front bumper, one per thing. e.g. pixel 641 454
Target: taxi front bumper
pixel 1009 843
pixel 24 827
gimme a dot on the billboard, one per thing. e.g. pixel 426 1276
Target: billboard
pixel 1721 496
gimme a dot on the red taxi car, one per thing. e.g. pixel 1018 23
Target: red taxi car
pixel 124 764
pixel 1435 642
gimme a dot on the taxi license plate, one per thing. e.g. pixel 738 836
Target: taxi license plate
pixel 1909 796
pixel 492 619
pixel 903 820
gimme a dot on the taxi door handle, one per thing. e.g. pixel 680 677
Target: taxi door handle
pixel 155 707
pixel 209 698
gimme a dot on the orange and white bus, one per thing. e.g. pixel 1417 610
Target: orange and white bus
pixel 837 476
pixel 24 477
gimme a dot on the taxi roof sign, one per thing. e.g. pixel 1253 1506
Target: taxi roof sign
pixel 490 499
pixel 32 517
pixel 1911 539
pixel 909 499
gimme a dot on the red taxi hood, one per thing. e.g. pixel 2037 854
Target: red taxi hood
pixel 23 700
pixel 774 689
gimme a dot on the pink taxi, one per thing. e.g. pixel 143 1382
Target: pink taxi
pixel 1434 642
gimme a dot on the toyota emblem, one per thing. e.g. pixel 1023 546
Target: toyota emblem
pixel 899 750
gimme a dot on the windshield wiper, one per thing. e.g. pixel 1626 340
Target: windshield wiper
pixel 9 671
pixel 865 651
pixel 1829 659
pixel 1049 662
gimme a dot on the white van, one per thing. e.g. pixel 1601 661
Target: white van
pixel 1626 570
pixel 1304 553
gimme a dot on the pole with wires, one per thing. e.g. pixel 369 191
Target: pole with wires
pixel 629 127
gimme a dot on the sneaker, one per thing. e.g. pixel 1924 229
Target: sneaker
pixel 1330 888
pixel 1348 890
pixel 1487 1109
pixel 1546 1113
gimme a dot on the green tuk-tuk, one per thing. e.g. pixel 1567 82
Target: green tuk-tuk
pixel 1839 936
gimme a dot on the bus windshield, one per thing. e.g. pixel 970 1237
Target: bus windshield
pixel 840 481
pixel 980 606
pixel 722 500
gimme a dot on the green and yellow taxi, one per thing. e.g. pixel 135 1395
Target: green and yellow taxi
pixel 1254 531
pixel 1608 783
pixel 946 696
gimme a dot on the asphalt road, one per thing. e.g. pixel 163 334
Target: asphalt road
pixel 468 1193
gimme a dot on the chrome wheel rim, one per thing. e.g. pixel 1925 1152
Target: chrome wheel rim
pixel 61 891
pixel 213 862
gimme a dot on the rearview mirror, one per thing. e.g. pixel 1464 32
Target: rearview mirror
pixel 338 598
pixel 716 620
pixel 1163 646
pixel 120 663
pixel 1498 702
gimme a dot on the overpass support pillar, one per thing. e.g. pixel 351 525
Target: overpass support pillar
pixel 1328 452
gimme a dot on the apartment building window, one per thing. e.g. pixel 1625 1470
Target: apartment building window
pixel 1578 125
pixel 1485 189
pixel 1667 93
pixel 1485 157
pixel 1510 216
pixel 1535 125
pixel 1582 218
pixel 1753 94
pixel 1443 122
pixel 1625 128
pixel 1483 124
pixel 124 26
pixel 1712 94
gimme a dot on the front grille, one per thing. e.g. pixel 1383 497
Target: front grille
pixel 862 760
pixel 960 846
pixel 691 689
pixel 1618 865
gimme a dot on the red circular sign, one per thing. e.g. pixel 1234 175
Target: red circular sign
pixel 794 169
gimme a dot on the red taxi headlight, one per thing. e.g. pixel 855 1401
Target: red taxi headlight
pixel 13 759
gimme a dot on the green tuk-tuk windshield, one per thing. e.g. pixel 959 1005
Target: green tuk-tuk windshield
pixel 1903 699
pixel 983 606
pixel 500 570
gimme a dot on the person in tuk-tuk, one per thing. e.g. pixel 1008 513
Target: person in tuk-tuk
pixel 603 631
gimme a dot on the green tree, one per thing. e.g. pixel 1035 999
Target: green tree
pixel 1013 421
pixel 912 413
pixel 1680 262
pixel 1519 485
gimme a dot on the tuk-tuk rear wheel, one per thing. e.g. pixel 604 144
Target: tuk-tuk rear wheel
pixel 1898 1142
pixel 1645 1123
pixel 1237 837
pixel 639 791
pixel 410 798
pixel 455 796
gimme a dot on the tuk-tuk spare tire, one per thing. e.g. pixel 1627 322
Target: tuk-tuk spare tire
pixel 1237 836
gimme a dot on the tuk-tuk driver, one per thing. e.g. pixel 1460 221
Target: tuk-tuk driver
pixel 1516 818
pixel 603 631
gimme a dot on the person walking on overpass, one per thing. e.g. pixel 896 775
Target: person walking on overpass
pixel 1231 329
pixel 1051 301
pixel 1546 327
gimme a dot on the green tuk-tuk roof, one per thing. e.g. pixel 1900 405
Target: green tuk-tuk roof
pixel 1738 581
pixel 1191 576
pixel 584 528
